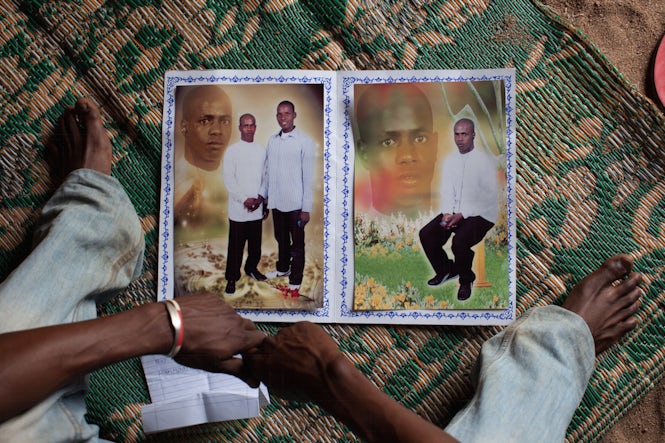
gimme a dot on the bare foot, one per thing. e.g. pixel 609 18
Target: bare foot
pixel 80 141
pixel 607 299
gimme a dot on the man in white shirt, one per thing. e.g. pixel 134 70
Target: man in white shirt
pixel 470 207
pixel 290 170
pixel 243 173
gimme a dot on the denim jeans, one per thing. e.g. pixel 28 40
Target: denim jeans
pixel 529 380
pixel 88 245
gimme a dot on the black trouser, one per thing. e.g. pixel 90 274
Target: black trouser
pixel 468 233
pixel 239 233
pixel 291 243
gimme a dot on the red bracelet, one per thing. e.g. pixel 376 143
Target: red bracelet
pixel 175 314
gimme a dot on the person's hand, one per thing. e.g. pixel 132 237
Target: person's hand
pixel 450 221
pixel 455 219
pixel 296 362
pixel 257 202
pixel 252 204
pixel 302 362
pixel 189 206
pixel 445 221
pixel 213 334
pixel 304 218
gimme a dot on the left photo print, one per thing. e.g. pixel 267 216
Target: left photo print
pixel 247 195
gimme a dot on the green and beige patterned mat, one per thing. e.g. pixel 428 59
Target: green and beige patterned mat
pixel 590 165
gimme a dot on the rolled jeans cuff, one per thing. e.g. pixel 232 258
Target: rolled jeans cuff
pixel 529 379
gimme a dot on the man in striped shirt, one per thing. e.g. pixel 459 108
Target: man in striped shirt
pixel 290 170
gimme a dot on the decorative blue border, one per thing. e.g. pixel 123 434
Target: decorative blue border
pixel 348 80
pixel 185 78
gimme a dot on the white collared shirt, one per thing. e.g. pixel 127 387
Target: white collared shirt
pixel 469 185
pixel 243 173
pixel 290 171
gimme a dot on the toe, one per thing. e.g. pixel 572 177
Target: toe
pixel 71 128
pixel 87 111
pixel 631 282
pixel 610 336
pixel 617 266
pixel 623 315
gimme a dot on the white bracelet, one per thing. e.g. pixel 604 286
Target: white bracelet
pixel 175 314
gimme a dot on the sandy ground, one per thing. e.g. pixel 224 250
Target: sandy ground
pixel 628 33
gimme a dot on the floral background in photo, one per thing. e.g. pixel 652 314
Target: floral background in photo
pixel 391 270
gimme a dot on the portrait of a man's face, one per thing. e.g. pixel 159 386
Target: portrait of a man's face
pixel 397 145
pixel 206 125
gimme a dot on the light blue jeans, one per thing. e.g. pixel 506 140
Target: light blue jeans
pixel 529 380
pixel 88 245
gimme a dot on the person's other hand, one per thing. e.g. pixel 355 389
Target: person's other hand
pixel 189 206
pixel 296 363
pixel 213 334
pixel 455 219
pixel 257 202
pixel 304 218
pixel 445 221
pixel 250 204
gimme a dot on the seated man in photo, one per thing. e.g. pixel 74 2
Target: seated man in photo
pixel 469 208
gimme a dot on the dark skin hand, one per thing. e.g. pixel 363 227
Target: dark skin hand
pixel 252 204
pixel 303 363
pixel 45 359
pixel 450 221
pixel 214 335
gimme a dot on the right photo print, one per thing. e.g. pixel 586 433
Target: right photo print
pixel 430 213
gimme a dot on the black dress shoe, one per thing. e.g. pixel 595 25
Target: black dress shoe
pixel 440 279
pixel 437 279
pixel 230 287
pixel 256 275
pixel 464 291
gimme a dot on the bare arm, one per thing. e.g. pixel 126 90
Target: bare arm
pixel 302 362
pixel 45 359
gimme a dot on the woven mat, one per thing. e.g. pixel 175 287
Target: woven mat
pixel 590 167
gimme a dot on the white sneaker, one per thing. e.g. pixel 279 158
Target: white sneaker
pixel 276 274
